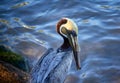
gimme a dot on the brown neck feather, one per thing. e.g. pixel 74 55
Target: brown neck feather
pixel 65 44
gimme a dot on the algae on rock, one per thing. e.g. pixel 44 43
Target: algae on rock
pixel 10 57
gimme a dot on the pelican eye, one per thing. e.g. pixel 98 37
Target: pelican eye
pixel 73 33
pixel 66 32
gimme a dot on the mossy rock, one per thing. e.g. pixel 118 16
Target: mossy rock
pixel 12 58
pixel 11 74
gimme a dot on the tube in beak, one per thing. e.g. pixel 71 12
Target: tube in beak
pixel 73 40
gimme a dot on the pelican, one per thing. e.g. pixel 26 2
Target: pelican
pixel 55 64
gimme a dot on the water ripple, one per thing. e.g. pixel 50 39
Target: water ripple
pixel 99 33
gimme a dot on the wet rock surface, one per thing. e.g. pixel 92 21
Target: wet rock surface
pixel 10 57
pixel 11 74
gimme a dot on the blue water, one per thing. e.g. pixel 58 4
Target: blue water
pixel 99 33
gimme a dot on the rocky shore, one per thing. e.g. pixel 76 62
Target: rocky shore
pixel 13 68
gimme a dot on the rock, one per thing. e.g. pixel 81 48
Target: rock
pixel 11 74
pixel 10 57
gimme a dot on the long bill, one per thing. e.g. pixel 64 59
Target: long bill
pixel 73 40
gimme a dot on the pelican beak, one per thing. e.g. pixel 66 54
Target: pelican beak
pixel 73 40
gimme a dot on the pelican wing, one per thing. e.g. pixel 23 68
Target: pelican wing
pixel 52 67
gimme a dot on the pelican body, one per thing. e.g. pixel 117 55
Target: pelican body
pixel 55 64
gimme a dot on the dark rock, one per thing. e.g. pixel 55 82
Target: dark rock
pixel 11 74
pixel 10 57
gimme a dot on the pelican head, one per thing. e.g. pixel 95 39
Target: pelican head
pixel 68 29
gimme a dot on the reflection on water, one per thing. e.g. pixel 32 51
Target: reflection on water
pixel 99 33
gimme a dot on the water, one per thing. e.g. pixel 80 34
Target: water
pixel 99 33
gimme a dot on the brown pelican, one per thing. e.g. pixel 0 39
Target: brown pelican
pixel 55 64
